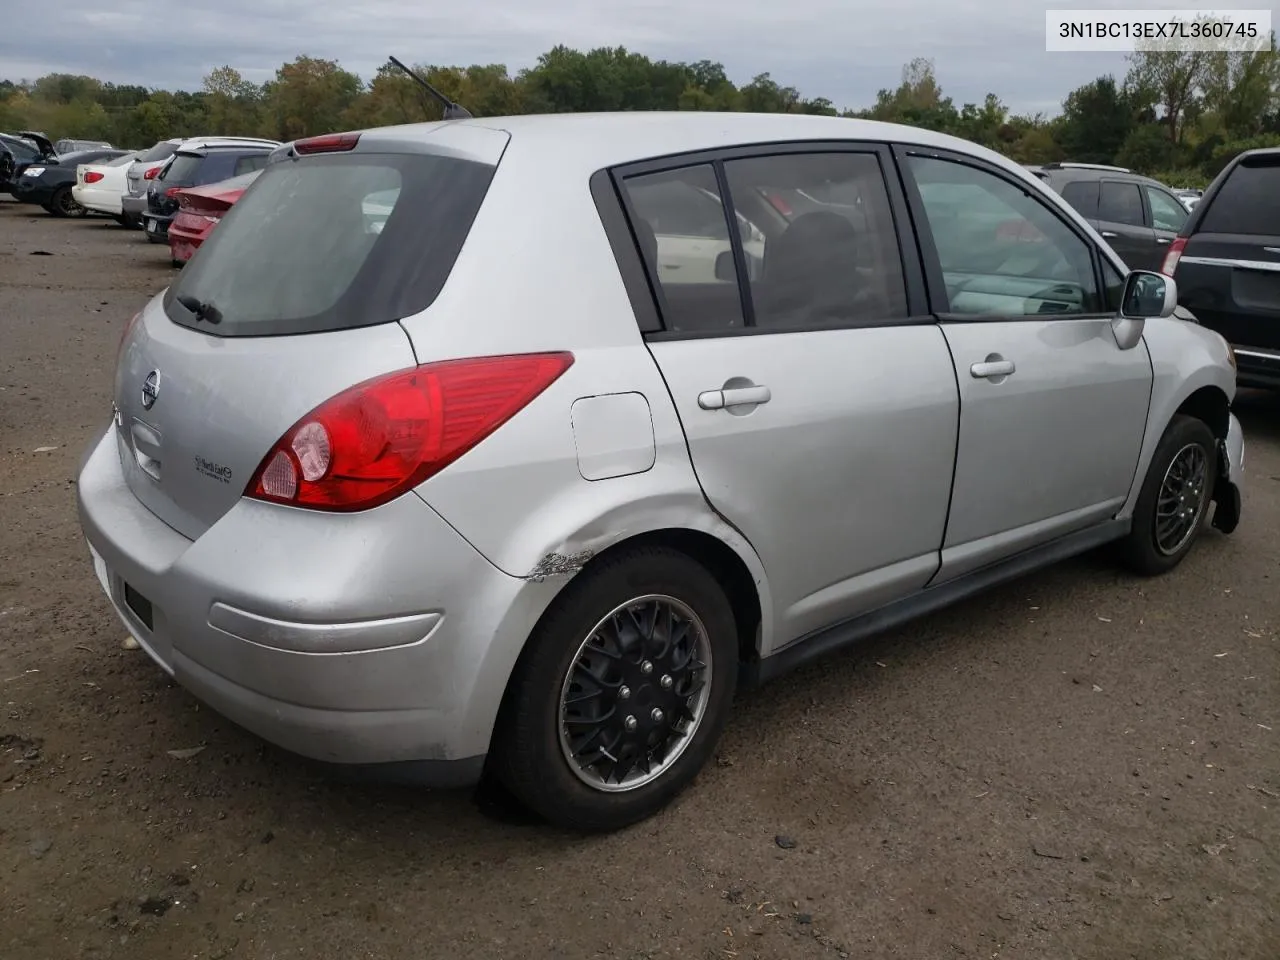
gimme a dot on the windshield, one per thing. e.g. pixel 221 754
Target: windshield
pixel 333 242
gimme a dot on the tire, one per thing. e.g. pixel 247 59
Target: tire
pixel 530 754
pixel 63 204
pixel 122 220
pixel 1151 549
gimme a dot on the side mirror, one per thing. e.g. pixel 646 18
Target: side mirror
pixel 1148 296
pixel 724 267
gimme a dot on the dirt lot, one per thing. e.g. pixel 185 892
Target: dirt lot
pixel 1077 765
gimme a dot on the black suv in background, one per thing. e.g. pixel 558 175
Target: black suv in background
pixel 194 167
pixel 1226 260
pixel 1139 217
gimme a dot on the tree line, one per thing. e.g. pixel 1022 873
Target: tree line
pixel 1179 116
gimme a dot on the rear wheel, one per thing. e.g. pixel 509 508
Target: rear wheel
pixel 1175 498
pixel 63 204
pixel 621 694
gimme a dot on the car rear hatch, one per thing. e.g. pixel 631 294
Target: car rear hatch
pixel 1228 267
pixel 293 299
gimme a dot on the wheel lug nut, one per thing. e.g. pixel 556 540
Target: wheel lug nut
pixel 657 715
pixel 646 667
pixel 666 681
pixel 624 692
pixel 629 723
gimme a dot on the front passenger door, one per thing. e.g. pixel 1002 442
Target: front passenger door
pixel 1123 225
pixel 1052 410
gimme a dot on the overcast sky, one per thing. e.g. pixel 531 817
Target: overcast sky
pixel 834 48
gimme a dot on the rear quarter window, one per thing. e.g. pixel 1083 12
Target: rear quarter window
pixel 1248 202
pixel 333 242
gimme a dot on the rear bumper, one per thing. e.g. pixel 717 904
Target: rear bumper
pixel 99 201
pixel 1257 367
pixel 159 233
pixel 134 206
pixel 362 639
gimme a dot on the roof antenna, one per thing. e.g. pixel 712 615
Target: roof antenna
pixel 452 111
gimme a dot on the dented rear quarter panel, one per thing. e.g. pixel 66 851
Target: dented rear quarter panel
pixel 537 274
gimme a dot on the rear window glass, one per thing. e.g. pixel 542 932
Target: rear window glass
pixel 161 151
pixel 122 161
pixel 183 167
pixel 331 243
pixel 1248 202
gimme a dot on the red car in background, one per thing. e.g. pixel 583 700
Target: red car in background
pixel 199 210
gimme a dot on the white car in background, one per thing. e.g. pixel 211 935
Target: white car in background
pixel 100 186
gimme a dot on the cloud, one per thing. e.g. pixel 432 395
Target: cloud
pixel 825 48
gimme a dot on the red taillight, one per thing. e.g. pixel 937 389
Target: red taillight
pixel 1173 256
pixel 329 143
pixel 151 174
pixel 371 443
pixel 93 176
pixel 779 204
pixel 172 191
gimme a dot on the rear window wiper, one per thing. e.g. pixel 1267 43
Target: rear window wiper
pixel 202 310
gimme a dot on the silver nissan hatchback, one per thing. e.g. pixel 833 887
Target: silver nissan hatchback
pixel 513 448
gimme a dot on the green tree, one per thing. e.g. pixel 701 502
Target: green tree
pixel 310 96
pixel 1096 120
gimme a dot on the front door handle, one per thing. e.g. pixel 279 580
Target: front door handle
pixel 992 368
pixel 1109 235
pixel 734 397
pixel 1162 239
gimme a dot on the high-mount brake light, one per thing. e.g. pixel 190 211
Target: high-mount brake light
pixel 1173 256
pixel 378 439
pixel 328 143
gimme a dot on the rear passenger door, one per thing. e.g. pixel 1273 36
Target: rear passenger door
pixel 1052 410
pixel 1122 223
pixel 818 399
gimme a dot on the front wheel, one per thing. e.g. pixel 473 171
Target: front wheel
pixel 63 204
pixel 1174 499
pixel 621 694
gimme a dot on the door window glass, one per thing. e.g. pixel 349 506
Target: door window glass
pixel 1166 212
pixel 680 222
pixel 1120 203
pixel 1002 251
pixel 826 251
pixel 1083 195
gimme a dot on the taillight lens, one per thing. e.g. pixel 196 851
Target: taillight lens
pixel 1173 256
pixel 93 176
pixel 172 191
pixel 380 438
pixel 151 174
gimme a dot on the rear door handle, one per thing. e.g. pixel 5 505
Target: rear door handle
pixel 1162 239
pixel 1109 235
pixel 992 368
pixel 734 397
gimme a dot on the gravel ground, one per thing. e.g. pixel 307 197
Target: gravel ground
pixel 1080 764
